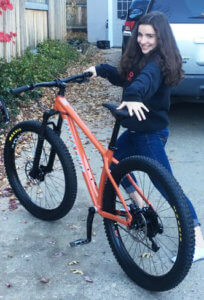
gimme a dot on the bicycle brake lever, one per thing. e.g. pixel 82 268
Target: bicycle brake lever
pixel 81 80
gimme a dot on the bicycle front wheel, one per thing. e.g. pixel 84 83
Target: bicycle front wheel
pixel 51 195
pixel 158 232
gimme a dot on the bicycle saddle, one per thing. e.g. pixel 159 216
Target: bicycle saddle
pixel 119 114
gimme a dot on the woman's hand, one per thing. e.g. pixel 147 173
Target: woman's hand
pixel 92 70
pixel 135 107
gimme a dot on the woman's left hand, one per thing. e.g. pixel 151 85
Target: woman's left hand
pixel 135 107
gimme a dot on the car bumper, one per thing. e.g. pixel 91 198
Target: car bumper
pixel 191 86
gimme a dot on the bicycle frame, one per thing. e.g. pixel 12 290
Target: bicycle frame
pixel 71 117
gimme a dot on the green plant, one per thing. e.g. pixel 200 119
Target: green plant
pixel 50 61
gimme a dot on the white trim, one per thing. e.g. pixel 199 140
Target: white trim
pixel 110 22
pixel 36 6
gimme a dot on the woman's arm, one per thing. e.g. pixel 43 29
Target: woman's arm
pixel 145 85
pixel 107 71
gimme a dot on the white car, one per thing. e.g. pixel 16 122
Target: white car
pixel 186 18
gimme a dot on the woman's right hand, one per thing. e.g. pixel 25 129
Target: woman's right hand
pixel 92 70
pixel 135 107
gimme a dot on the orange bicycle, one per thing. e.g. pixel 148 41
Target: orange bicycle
pixel 42 174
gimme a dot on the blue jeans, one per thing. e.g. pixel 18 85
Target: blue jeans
pixel 150 145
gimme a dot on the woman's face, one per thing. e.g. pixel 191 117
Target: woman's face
pixel 146 38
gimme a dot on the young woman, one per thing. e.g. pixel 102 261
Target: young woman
pixel 149 67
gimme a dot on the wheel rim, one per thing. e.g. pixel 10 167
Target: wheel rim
pixel 49 192
pixel 136 243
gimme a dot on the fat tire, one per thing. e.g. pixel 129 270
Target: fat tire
pixel 177 199
pixel 66 162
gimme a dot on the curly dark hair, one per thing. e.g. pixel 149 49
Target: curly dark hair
pixel 166 53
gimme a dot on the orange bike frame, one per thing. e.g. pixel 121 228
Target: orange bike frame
pixel 71 117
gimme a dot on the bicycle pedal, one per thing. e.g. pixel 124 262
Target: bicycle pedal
pixel 79 242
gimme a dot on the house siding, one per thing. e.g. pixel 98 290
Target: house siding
pixel 32 26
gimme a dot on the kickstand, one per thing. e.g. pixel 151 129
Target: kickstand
pixel 89 223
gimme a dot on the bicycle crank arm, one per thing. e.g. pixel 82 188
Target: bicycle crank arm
pixel 89 223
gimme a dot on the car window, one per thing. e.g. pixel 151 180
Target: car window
pixel 181 11
pixel 141 5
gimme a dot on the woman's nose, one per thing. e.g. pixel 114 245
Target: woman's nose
pixel 143 40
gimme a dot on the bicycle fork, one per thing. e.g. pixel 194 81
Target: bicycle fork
pixel 38 172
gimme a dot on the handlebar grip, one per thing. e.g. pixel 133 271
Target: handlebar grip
pixel 21 89
pixel 88 74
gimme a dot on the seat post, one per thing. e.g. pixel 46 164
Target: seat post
pixel 116 128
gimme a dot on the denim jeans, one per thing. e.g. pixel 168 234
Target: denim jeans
pixel 150 145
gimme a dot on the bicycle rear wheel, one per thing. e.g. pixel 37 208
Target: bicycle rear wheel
pixel 157 233
pixel 52 194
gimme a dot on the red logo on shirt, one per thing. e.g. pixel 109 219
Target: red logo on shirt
pixel 130 76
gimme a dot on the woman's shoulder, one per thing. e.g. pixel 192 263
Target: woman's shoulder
pixel 152 65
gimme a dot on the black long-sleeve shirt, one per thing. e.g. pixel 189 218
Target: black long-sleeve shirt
pixel 147 87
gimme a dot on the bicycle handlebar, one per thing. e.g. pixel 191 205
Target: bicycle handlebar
pixel 54 83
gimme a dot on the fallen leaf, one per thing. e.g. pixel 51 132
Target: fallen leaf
pixel 77 271
pixel 88 279
pixel 74 262
pixel 59 254
pixel 6 192
pixel 13 204
pixel 74 226
pixel 52 242
pixel 44 280
pixel 146 255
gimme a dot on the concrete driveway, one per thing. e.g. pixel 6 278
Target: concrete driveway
pixel 36 256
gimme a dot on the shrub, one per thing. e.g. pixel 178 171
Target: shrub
pixel 49 61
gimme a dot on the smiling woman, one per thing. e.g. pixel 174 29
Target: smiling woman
pixel 149 67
